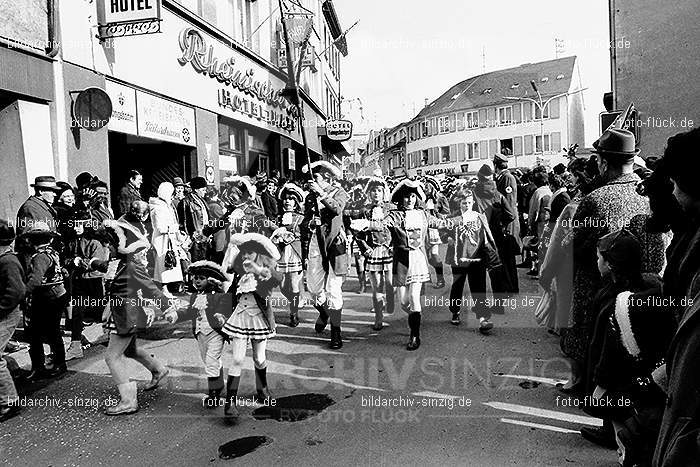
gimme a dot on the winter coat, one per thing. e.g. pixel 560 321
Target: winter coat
pixel 127 195
pixel 507 185
pixel 34 210
pixel 12 289
pixel 499 212
pixel 165 236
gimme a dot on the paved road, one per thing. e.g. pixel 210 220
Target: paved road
pixel 461 399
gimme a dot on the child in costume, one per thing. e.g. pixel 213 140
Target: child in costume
pixel 209 308
pixel 375 246
pixel 287 237
pixel 436 204
pixel 254 277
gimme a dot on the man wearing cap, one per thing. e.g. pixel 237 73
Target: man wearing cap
pixel 611 207
pixel 12 291
pixel 130 192
pixel 179 194
pixel 39 206
pixel 193 214
pixel 511 244
pixel 324 246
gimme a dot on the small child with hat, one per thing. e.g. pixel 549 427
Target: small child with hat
pixel 254 278
pixel 209 308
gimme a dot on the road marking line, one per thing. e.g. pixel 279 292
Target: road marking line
pixel 539 425
pixel 322 339
pixel 435 395
pixel 538 379
pixel 537 412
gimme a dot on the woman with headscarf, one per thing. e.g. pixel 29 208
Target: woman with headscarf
pixel 166 238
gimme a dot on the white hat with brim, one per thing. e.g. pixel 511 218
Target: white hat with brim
pixel 374 181
pixel 294 190
pixel 323 166
pixel 410 186
pixel 256 242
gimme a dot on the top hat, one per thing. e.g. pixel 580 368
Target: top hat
pixel 7 233
pixel 45 182
pixel 207 269
pixel 616 142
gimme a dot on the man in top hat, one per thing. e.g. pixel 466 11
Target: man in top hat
pixel 324 246
pixel 130 192
pixel 611 207
pixel 193 214
pixel 12 292
pixel 39 206
pixel 511 244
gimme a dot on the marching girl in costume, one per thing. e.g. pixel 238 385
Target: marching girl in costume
pixel 209 308
pixel 436 204
pixel 376 248
pixel 287 237
pixel 409 228
pixel 254 277
pixel 356 203
pixel 324 245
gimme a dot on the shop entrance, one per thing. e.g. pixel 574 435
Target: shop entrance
pixel 157 161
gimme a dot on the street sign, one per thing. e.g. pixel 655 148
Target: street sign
pixel 339 130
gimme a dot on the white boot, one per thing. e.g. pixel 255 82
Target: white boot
pixel 75 350
pixel 128 403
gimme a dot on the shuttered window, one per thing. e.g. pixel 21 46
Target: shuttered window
pixel 528 144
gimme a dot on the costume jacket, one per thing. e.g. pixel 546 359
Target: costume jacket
pixel 329 228
pixel 369 239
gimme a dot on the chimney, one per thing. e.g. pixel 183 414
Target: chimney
pixel 426 102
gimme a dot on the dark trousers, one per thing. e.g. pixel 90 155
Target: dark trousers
pixel 475 273
pixel 507 251
pixel 84 290
pixel 45 326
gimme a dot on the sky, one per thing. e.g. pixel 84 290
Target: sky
pixel 403 52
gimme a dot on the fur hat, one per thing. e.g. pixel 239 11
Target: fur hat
pixel 208 269
pixel 485 171
pixel 323 166
pixel 255 242
pixel 407 185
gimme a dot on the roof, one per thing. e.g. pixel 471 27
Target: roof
pixel 474 92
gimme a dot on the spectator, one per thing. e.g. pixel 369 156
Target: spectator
pixel 180 187
pixel 219 225
pixel 538 213
pixel 39 206
pixel 65 207
pixel 166 239
pixel 130 192
pixel 269 199
pixel 49 300
pixel 12 292
pixel 510 245
pixel 194 218
pixel 614 205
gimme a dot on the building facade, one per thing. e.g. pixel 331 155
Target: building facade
pixel 203 96
pixel 495 113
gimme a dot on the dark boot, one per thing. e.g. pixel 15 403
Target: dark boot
pixel 363 284
pixel 389 294
pixel 261 385
pixel 215 385
pixel 378 314
pixel 336 338
pixel 414 325
pixel 230 409
pixel 440 277
pixel 322 320
pixel 294 311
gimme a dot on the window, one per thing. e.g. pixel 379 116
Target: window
pixel 505 115
pixel 471 120
pixel 424 157
pixel 538 114
pixel 445 154
pixel 424 129
pixel 506 146
pixel 443 124
pixel 538 143
pixel 235 18
pixel 473 150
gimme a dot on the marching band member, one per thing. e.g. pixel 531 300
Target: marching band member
pixel 409 227
pixel 324 246
pixel 287 237
pixel 375 245
pixel 436 204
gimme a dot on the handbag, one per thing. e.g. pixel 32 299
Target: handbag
pixel 170 260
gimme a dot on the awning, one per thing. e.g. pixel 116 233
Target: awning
pixel 336 149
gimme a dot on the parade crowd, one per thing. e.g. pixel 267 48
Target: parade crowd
pixel 613 241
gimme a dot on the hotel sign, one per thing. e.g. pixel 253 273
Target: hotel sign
pixel 339 130
pixel 119 18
